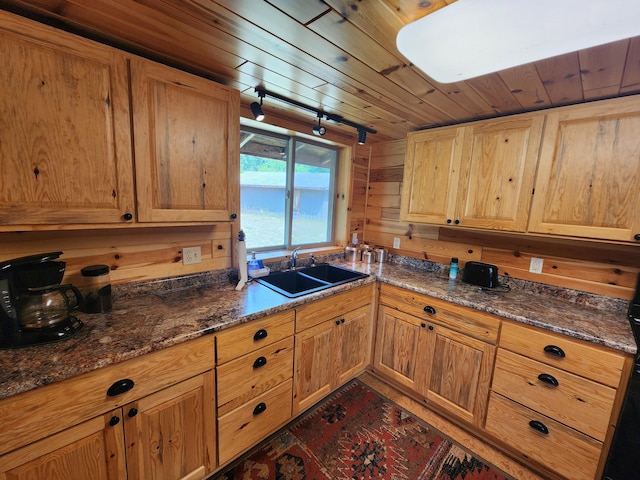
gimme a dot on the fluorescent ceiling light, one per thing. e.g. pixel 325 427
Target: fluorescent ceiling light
pixel 470 38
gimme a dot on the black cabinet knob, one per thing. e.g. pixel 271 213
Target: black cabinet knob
pixel 132 412
pixel 113 421
pixel 636 236
pixel 548 379
pixel 430 310
pixel 127 216
pixel 260 334
pixel 430 327
pixel 423 325
pixel 457 222
pixel 233 216
pixel 261 407
pixel 539 426
pixel 260 362
pixel 120 387
pixel 448 220
pixel 554 350
pixel 337 322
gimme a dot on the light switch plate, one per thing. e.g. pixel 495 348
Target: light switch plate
pixel 396 242
pixel 191 255
pixel 354 238
pixel 536 265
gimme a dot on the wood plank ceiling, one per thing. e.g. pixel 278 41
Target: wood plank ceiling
pixel 335 55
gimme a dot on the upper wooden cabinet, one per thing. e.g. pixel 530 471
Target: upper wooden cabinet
pixel 187 149
pixel 65 148
pixel 66 139
pixel 589 172
pixel 477 175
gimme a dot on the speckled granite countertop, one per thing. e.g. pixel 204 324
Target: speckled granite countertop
pixel 159 314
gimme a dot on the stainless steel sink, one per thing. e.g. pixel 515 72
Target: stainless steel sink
pixel 295 283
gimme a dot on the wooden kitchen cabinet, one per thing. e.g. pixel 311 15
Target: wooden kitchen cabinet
pixel 255 388
pixel 475 175
pixel 589 172
pixel 65 140
pixel 161 427
pixel 187 145
pixel 560 395
pixel 332 344
pixel 427 354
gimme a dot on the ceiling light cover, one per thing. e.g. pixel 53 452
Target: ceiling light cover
pixel 470 38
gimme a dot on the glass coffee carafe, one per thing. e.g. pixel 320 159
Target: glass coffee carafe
pixel 47 307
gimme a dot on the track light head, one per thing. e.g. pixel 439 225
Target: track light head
pixel 319 129
pixel 256 109
pixel 362 136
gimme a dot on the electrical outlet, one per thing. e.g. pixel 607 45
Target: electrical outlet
pixel 354 238
pixel 536 265
pixel 191 255
pixel 396 242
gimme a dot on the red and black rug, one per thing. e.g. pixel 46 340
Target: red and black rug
pixel 358 434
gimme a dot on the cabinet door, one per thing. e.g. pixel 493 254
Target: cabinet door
pixel 65 138
pixel 171 434
pixel 497 173
pixel 187 141
pixel 94 449
pixel 431 173
pixel 460 373
pixel 400 350
pixel 313 364
pixel 352 344
pixel 589 172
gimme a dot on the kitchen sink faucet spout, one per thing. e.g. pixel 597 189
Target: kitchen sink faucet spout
pixel 293 259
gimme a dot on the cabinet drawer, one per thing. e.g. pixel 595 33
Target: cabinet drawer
pixel 254 421
pixel 471 322
pixel 588 360
pixel 318 311
pixel 562 449
pixel 575 401
pixel 251 375
pixel 61 405
pixel 237 341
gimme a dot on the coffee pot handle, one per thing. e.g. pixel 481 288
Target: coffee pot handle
pixel 77 296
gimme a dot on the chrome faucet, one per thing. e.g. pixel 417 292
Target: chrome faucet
pixel 293 259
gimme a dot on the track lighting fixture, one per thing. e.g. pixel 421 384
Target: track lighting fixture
pixel 362 136
pixel 319 129
pixel 256 108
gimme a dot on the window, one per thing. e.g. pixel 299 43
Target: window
pixel 286 191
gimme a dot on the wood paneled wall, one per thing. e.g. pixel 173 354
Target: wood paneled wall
pixel 596 267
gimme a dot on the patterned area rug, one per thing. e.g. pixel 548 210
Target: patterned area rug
pixel 358 434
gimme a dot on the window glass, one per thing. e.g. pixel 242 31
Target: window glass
pixel 286 191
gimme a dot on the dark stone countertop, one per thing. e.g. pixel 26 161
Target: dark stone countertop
pixel 155 315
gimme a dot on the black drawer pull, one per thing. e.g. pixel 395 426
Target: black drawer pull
pixel 548 379
pixel 133 411
pixel 260 362
pixel 539 426
pixel 261 407
pixel 430 310
pixel 120 387
pixel 260 334
pixel 554 350
pixel 113 421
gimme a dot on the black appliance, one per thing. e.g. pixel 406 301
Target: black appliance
pixel 481 274
pixel 34 307
pixel 622 463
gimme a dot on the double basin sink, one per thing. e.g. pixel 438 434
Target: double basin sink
pixel 295 283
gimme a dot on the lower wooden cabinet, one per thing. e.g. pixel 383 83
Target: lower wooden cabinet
pixel 168 435
pixel 447 368
pixel 329 354
pixel 255 388
pixel 442 352
pixel 554 399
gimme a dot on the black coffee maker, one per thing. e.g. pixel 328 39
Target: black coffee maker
pixel 34 306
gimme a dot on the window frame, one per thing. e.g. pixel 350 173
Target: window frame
pixel 292 142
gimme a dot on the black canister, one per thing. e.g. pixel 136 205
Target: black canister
pixel 97 289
